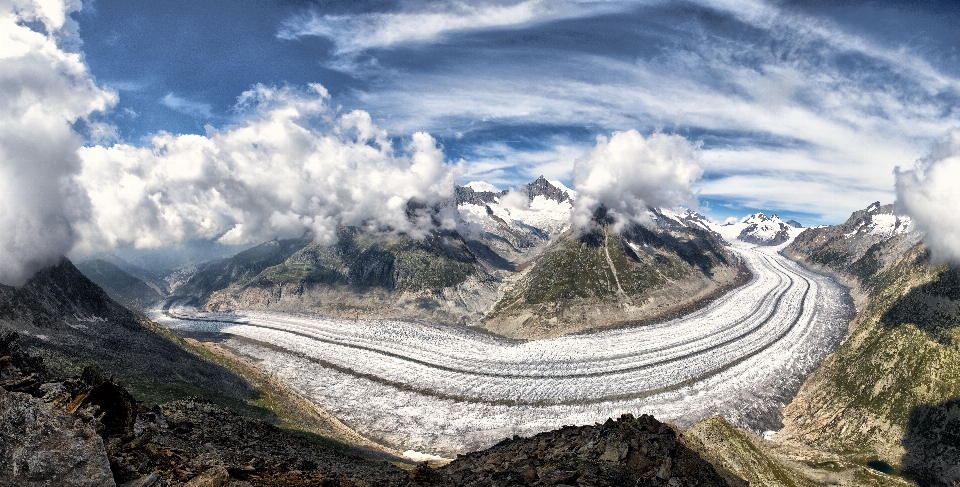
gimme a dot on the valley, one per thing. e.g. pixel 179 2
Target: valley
pixel 446 389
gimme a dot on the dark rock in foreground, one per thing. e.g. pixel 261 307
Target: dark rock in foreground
pixel 630 451
pixel 44 445
pixel 191 438
pixel 90 431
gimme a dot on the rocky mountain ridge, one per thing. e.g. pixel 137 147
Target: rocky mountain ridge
pixel 491 271
pixel 887 395
pixel 69 320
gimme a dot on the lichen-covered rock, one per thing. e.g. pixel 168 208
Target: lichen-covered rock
pixel 41 445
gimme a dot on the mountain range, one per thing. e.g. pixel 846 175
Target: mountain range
pixel 513 265
pixel 887 399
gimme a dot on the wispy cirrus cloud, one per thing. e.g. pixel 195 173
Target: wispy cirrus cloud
pixel 187 107
pixel 430 22
pixel 781 98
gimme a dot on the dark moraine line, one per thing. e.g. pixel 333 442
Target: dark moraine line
pixel 605 373
pixel 781 273
pixel 542 402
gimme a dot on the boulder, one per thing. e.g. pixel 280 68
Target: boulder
pixel 41 445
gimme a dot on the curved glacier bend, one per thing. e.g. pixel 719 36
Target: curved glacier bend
pixel 446 389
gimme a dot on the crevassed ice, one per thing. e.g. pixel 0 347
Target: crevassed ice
pixel 443 389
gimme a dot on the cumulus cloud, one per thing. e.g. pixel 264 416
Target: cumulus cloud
pixel 292 166
pixel 628 172
pixel 930 193
pixel 45 88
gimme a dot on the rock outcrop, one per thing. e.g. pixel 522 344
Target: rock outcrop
pixel 41 443
pixel 629 451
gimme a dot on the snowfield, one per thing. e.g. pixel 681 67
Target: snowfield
pixel 445 389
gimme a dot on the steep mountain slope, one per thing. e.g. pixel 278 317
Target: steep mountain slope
pixel 366 274
pixel 890 391
pixel 607 278
pixel 216 275
pixel 776 464
pixel 64 317
pixel 128 285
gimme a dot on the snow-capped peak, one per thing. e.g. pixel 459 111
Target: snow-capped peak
pixel 880 220
pixel 563 187
pixel 760 229
pixel 482 186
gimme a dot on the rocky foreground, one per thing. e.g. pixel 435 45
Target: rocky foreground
pixel 89 430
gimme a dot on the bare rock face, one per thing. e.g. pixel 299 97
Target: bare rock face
pixel 44 445
pixel 630 451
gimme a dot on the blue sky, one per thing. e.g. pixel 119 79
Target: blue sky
pixel 147 125
pixel 803 108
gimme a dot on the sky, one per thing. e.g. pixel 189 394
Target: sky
pixel 803 108
pixel 178 120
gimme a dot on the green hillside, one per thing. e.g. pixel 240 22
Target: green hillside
pixel 890 393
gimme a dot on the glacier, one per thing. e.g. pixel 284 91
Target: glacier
pixel 445 389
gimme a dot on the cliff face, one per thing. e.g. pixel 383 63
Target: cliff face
pixel 887 391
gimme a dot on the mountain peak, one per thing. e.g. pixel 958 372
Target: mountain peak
pixel 543 187
pixel 469 195
pixel 765 230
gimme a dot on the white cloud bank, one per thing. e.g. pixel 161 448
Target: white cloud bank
pixel 292 166
pixel 274 175
pixel 930 193
pixel 628 172
pixel 44 88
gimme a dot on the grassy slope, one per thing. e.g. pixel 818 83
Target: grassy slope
pixel 765 463
pixel 903 354
pixel 606 278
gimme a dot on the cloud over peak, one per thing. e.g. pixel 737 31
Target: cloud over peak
pixel 930 193
pixel 628 172
pixel 44 89
pixel 292 166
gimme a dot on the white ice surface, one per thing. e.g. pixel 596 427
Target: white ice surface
pixel 444 389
